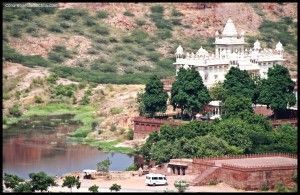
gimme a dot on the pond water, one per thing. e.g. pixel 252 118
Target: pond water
pixel 40 144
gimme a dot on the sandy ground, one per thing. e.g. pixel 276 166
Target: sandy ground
pixel 137 184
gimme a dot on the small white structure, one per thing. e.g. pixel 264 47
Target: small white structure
pixel 230 52
pixel 215 107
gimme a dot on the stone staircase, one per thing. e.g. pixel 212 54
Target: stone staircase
pixel 202 178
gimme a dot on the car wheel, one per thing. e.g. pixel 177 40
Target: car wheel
pixel 154 184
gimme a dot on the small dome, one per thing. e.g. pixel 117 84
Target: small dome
pixel 279 47
pixel 257 45
pixel 179 50
pixel 202 52
pixel 229 29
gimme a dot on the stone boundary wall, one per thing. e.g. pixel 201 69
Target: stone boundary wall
pixel 144 126
pixel 200 160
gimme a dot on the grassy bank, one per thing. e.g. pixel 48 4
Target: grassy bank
pixel 84 114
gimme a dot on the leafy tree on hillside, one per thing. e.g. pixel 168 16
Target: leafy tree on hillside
pixel 238 82
pixel 41 181
pixel 154 99
pixel 11 181
pixel 285 139
pixel 233 105
pixel 71 181
pixel 23 187
pixel 188 92
pixel 104 165
pixel 277 90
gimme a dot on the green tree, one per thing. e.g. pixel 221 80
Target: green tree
pixel 181 186
pixel 93 188
pixel 233 105
pixel 115 187
pixel 104 165
pixel 71 181
pixel 238 82
pixel 130 134
pixel 188 92
pixel 41 181
pixel 154 99
pixel 11 181
pixel 216 92
pixel 277 90
pixel 160 152
pixel 23 187
pixel 285 139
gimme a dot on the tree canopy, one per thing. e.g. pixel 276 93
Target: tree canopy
pixel 277 90
pixel 104 165
pixel 188 92
pixel 155 98
pixel 233 105
pixel 11 181
pixel 115 187
pixel 41 181
pixel 239 83
pixel 71 181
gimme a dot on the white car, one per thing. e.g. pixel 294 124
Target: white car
pixel 156 179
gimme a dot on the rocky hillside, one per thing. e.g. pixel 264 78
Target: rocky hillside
pixel 127 42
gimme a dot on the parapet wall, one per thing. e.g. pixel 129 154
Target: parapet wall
pixel 144 126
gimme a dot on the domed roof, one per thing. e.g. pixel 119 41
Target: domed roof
pixel 202 52
pixel 257 45
pixel 279 47
pixel 179 50
pixel 229 29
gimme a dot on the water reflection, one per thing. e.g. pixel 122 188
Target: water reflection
pixel 40 144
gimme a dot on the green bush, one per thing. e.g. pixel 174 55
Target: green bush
pixel 89 21
pixel 59 53
pixel 279 187
pixel 140 22
pixel 16 30
pixel 113 127
pixel 52 78
pixel 116 110
pixel 264 187
pixel 15 111
pixel 102 14
pixel 101 29
pixel 65 24
pixel 128 13
pixel 130 134
pixel 164 34
pixel 38 99
pixel 157 9
pixel 132 167
pixel 55 28
pixel 64 90
pixel 71 14
pixel 153 56
pixel 176 13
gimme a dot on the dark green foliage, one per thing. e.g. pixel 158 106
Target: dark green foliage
pixel 115 187
pixel 65 25
pixel 130 134
pixel 86 100
pixel 90 21
pixel 153 56
pixel 235 131
pixel 140 22
pixel 52 78
pixel 71 181
pixel 93 188
pixel 188 92
pixel 157 16
pixel 71 14
pixel 38 99
pixel 154 99
pixel 59 54
pixel 181 185
pixel 103 66
pixel 128 13
pixel 102 14
pixel 41 181
pixel 11 55
pixel 238 83
pixel 56 28
pixel 11 181
pixel 176 13
pixel 101 29
pixel 285 139
pixel 272 32
pixel 279 187
pixel 15 111
pixel 235 104
pixel 16 30
pixel 157 9
pixel 132 167
pixel 277 90
pixel 64 90
pixel 23 187
pixel 216 92
pixel 264 187
pixel 104 165
pixel 164 34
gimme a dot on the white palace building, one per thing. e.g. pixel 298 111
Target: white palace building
pixel 230 52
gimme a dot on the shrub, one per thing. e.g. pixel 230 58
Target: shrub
pixel 140 22
pixel 38 99
pixel 128 13
pixel 15 111
pixel 132 167
pixel 52 78
pixel 102 30
pixel 102 14
pixel 113 127
pixel 164 34
pixel 89 21
pixel 64 90
pixel 59 53
pixel 264 187
pixel 71 14
pixel 116 110
pixel 104 165
pixel 130 134
pixel 93 188
pixel 157 9
pixel 115 187
pixel 181 186
pixel 279 187
pixel 55 28
pixel 153 56
pixel 16 30
pixel 66 24
pixel 176 13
